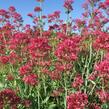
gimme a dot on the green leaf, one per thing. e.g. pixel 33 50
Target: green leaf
pixel 52 68
pixel 52 106
pixel 105 106
pixel 45 100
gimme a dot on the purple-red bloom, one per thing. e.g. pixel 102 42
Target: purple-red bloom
pixel 12 9
pixel 8 96
pixel 78 81
pixel 31 79
pixel 103 96
pixel 68 49
pixel 103 69
pixel 37 9
pixel 77 100
pixel 68 5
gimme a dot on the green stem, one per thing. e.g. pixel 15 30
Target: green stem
pixel 67 29
pixel 65 87
pixel 38 89
pixel 44 86
pixel 94 85
pixel 38 93
pixel 88 66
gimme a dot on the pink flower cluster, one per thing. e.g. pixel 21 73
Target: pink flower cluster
pixel 38 47
pixel 103 69
pixel 68 49
pixel 31 79
pixel 28 77
pixel 8 96
pixel 77 100
pixel 102 41
pixel 68 5
pixel 78 81
pixel 94 106
pixel 103 96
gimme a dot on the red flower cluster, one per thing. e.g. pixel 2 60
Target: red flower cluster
pixel 103 69
pixel 54 16
pixel 28 77
pixel 8 96
pixel 94 106
pixel 78 81
pixel 102 41
pixel 40 0
pixel 77 100
pixel 107 2
pixel 31 79
pixel 10 77
pixel 12 9
pixel 37 9
pixel 17 40
pixel 38 47
pixel 68 49
pixel 57 92
pixel 4 59
pixel 26 103
pixel 25 69
pixel 93 76
pixel 103 96
pixel 68 5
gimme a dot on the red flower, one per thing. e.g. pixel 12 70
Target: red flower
pixel 27 103
pixel 68 5
pixel 40 0
pixel 31 79
pixel 77 100
pixel 103 96
pixel 37 9
pixel 4 59
pixel 68 49
pixel 12 8
pixel 13 58
pixel 78 81
pixel 101 41
pixel 44 17
pixel 63 67
pixel 10 97
pixel 3 12
pixel 103 69
pixel 10 77
pixel 61 36
pixel 25 69
pixel 57 93
pixel 94 106
pixel 55 75
pixel 30 14
pixel 107 2
pixel 93 76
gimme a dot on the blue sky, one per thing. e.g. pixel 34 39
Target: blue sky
pixel 26 6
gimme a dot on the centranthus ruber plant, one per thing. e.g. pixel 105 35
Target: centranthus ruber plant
pixel 65 66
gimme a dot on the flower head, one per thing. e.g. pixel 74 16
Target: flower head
pixel 31 79
pixel 68 5
pixel 37 9
pixel 77 100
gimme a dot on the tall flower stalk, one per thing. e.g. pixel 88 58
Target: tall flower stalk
pixel 68 9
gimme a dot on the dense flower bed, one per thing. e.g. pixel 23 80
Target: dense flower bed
pixel 63 67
